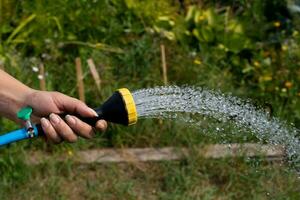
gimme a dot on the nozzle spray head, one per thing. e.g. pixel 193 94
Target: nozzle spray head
pixel 119 108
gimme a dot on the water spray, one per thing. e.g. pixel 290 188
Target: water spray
pixel 119 108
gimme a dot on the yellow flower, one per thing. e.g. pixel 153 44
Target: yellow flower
pixel 277 24
pixel 221 46
pixel 197 61
pixel 187 33
pixel 267 78
pixel 298 94
pixel 201 17
pixel 70 152
pixel 284 47
pixel 288 84
pixel 256 64
pixel 295 33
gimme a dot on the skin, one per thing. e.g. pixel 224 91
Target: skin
pixel 46 105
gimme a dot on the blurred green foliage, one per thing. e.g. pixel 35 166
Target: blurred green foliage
pixel 261 49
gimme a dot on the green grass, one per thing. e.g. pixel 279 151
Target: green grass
pixel 195 178
pixel 64 30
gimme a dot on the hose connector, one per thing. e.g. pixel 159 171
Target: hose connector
pixel 25 114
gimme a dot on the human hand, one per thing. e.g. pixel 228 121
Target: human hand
pixel 56 129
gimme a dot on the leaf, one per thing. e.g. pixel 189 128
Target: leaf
pixel 207 33
pixel 197 16
pixel 236 42
pixel 197 34
pixel 190 13
pixel 247 69
pixel 211 17
pixel 235 26
pixel 170 35
pixel 20 27
pixel 6 28
pixel 58 24
pixel 165 22
pixel 100 46
pixel 130 3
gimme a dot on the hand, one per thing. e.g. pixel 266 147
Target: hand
pixel 56 129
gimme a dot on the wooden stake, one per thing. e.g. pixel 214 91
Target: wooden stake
pixel 42 77
pixel 215 151
pixel 80 83
pixel 164 63
pixel 94 72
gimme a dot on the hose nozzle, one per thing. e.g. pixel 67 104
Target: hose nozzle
pixel 119 108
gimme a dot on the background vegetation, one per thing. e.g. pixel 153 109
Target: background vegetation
pixel 247 48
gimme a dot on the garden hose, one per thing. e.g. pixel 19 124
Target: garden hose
pixel 119 108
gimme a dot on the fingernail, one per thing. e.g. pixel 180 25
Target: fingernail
pixel 93 112
pixel 54 118
pixel 70 120
pixel 44 123
pixel 101 124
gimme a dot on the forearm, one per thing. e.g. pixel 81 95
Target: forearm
pixel 12 95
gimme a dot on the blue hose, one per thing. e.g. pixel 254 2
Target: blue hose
pixel 14 136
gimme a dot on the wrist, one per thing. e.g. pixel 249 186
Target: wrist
pixel 12 101
pixel 13 95
pixel 24 98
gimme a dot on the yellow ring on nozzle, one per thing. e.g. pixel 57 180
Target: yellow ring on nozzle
pixel 129 105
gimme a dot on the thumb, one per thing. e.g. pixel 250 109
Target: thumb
pixel 73 106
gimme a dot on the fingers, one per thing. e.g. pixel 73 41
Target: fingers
pixel 49 131
pixel 72 105
pixel 81 128
pixel 101 125
pixel 84 129
pixel 56 129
